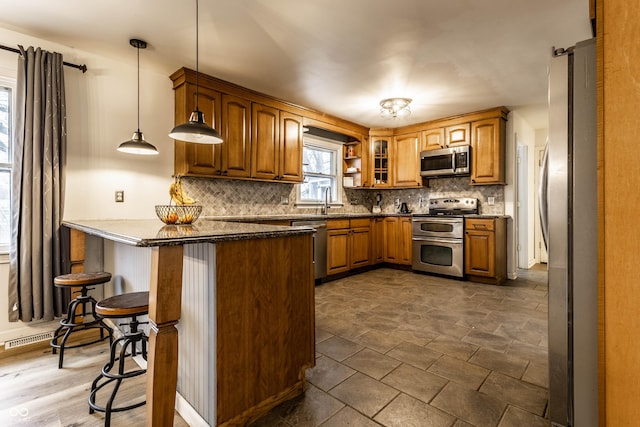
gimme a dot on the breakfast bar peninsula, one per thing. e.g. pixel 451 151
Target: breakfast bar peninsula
pixel 231 311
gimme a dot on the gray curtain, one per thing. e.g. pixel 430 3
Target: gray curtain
pixel 39 157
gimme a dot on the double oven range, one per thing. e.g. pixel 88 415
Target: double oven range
pixel 438 237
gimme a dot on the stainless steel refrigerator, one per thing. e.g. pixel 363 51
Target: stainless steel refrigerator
pixel 568 197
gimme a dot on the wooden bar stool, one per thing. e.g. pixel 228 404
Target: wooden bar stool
pixel 77 320
pixel 130 305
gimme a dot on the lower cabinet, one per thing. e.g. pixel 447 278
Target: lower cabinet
pixel 486 250
pixel 377 240
pixel 397 240
pixel 348 244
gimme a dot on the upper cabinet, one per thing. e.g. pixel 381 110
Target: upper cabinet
pixel 380 161
pixel 488 151
pixel 262 136
pixel 457 135
pixel 263 139
pixel 406 160
pixel 277 144
pixel 197 159
pixel 395 160
pixel 235 130
pixel 290 162
pixel 433 139
pixel 442 137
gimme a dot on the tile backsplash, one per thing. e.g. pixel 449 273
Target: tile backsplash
pixel 227 197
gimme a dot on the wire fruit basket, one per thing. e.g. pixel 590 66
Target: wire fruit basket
pixel 178 214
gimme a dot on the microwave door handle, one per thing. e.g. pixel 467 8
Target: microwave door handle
pixel 453 162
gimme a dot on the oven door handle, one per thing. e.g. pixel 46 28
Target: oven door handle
pixel 436 240
pixel 436 220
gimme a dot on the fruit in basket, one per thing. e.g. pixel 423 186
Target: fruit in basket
pixel 178 196
pixel 170 218
pixel 186 219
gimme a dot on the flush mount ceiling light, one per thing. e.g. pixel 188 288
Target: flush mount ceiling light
pixel 137 144
pixel 395 107
pixel 196 130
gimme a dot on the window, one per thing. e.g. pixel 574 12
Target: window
pixel 320 169
pixel 6 143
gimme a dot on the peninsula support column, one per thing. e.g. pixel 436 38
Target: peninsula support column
pixel 165 292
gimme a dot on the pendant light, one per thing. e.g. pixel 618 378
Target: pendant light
pixel 196 130
pixel 137 144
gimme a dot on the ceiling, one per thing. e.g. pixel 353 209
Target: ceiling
pixel 338 56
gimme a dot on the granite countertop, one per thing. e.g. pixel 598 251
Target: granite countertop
pixel 152 232
pixel 298 217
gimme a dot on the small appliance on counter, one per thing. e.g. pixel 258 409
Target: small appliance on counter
pixel 377 205
pixel 404 209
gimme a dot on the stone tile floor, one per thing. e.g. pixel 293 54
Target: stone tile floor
pixel 395 348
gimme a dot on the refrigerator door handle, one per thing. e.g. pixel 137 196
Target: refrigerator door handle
pixel 543 198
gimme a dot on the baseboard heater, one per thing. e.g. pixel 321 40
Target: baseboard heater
pixel 19 342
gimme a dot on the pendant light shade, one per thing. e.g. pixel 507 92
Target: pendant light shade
pixel 196 130
pixel 137 144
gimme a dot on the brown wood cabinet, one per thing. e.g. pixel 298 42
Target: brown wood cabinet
pixel 277 144
pixel 235 130
pixel 488 151
pixel 265 325
pixel 197 159
pixel 337 250
pixel 265 135
pixel 391 238
pixel 406 160
pixel 433 139
pixel 377 240
pixel 360 251
pixel 380 161
pixel 450 136
pixel 348 244
pixel 405 240
pixel 486 249
pixel 262 136
pixel 397 240
pixel 458 135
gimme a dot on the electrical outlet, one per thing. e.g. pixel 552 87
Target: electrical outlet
pixel 284 200
pixel 491 200
pixel 119 196
pixel 353 201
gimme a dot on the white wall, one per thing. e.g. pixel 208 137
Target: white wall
pixel 520 132
pixel 101 113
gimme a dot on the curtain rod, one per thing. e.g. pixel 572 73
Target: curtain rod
pixel 82 67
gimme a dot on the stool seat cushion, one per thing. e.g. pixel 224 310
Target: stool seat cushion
pixel 82 279
pixel 124 305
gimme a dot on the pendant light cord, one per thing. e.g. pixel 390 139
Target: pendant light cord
pixel 138 49
pixel 197 54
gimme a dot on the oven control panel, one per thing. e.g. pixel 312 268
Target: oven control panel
pixel 453 205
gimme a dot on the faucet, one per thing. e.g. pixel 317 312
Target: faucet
pixel 327 200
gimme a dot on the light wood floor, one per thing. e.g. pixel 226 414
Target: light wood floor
pixel 35 393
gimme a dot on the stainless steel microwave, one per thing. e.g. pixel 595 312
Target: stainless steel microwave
pixel 446 162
